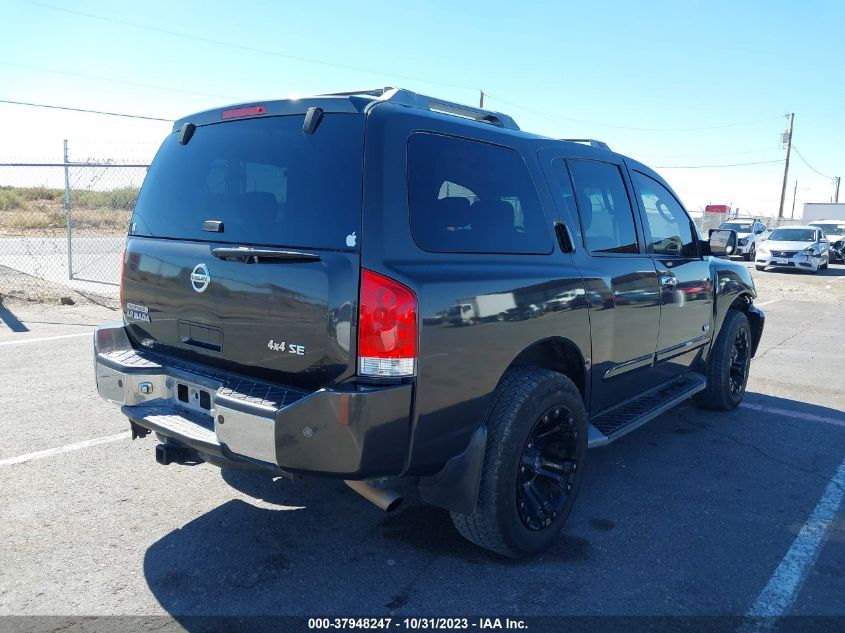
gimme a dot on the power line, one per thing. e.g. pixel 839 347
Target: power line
pixel 761 162
pixel 251 49
pixel 309 60
pixel 750 151
pixel 628 127
pixel 804 160
pixel 116 81
pixel 56 107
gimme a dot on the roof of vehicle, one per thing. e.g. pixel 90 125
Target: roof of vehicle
pixel 361 100
pixel 796 226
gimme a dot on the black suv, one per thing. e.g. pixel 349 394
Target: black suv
pixel 384 285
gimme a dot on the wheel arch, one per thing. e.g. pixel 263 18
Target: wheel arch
pixel 756 318
pixel 559 354
pixel 455 487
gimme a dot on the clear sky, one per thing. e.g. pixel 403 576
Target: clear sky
pixel 604 70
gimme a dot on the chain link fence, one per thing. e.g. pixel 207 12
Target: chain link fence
pixel 63 225
pixel 707 220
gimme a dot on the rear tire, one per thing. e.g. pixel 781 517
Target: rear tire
pixel 536 445
pixel 728 365
pixel 760 267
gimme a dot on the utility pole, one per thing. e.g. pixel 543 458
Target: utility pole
pixel 481 99
pixel 836 189
pixel 794 192
pixel 786 164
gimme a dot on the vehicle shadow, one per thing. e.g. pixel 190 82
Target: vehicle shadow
pixel 313 547
pixel 8 317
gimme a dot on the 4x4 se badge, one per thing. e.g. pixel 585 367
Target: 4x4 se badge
pixel 200 278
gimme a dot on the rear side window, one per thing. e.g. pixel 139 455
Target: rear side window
pixel 607 219
pixel 263 178
pixel 472 197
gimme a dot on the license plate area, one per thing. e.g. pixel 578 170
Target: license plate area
pixel 781 260
pixel 193 397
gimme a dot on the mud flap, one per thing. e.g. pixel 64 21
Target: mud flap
pixel 455 487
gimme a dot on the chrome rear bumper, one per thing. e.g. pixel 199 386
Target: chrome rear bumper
pixel 353 432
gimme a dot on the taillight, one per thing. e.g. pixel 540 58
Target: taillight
pixel 387 328
pixel 235 113
pixel 122 266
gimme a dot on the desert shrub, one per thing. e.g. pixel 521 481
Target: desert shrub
pixel 11 200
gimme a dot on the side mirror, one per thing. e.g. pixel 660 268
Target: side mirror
pixel 722 242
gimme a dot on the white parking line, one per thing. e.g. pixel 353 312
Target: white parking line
pixel 20 459
pixel 765 303
pixel 810 417
pixel 779 594
pixel 45 338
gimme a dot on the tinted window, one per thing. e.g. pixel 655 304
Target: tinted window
pixel 566 195
pixel 472 197
pixel 793 235
pixel 667 224
pixel 606 217
pixel 267 181
pixel 831 229
pixel 739 227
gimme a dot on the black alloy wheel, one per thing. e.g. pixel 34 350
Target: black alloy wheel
pixel 739 362
pixel 546 467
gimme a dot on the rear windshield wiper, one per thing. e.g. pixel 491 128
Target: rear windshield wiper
pixel 255 255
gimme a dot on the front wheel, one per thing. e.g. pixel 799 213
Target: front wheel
pixel 536 445
pixel 758 267
pixel 728 365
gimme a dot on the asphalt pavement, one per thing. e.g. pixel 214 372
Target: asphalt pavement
pixel 697 513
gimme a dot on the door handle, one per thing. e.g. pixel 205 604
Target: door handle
pixel 668 280
pixel 564 237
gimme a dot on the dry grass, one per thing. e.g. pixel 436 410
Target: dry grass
pixel 38 211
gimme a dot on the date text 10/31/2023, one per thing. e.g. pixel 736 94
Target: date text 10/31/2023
pixel 413 624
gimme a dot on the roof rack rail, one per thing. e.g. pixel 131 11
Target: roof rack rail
pixel 589 141
pixel 432 104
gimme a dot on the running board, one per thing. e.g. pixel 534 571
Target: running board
pixel 632 414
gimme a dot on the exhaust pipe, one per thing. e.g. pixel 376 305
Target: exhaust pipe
pixel 386 499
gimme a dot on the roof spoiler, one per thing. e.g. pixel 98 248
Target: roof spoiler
pixel 432 104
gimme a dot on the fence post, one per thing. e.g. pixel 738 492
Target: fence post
pixel 68 215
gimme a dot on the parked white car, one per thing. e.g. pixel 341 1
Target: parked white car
pixel 834 231
pixel 801 247
pixel 750 233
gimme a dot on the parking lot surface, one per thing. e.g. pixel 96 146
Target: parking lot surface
pixel 697 513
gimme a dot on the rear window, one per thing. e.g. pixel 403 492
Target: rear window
pixel 472 197
pixel 267 181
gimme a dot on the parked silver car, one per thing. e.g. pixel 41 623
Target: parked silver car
pixel 801 247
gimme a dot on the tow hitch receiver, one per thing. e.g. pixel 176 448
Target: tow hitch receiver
pixel 174 454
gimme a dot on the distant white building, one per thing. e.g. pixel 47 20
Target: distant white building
pixel 823 211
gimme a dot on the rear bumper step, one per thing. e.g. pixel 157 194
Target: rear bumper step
pixel 355 433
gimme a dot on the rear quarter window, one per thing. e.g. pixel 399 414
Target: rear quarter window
pixel 471 197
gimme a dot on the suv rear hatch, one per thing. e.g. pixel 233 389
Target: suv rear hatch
pixel 243 247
